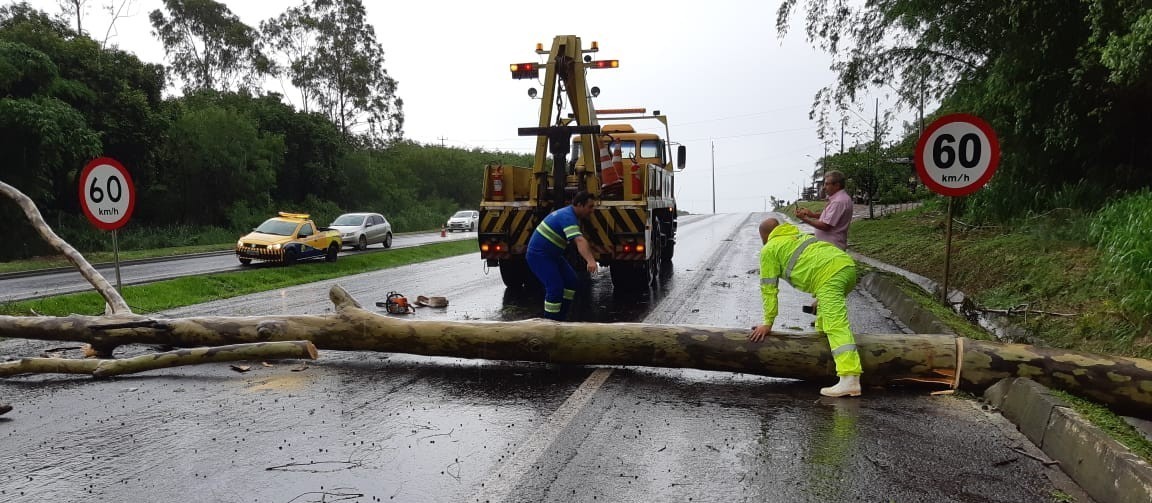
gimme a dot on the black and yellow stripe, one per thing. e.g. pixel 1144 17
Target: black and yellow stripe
pixel 515 223
pixel 608 221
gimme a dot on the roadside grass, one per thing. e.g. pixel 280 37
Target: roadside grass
pixel 1036 269
pixel 96 258
pixel 931 304
pixel 1005 267
pixel 169 294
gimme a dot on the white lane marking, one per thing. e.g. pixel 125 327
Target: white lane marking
pixel 499 486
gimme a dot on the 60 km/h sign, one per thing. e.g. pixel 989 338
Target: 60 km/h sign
pixel 107 194
pixel 957 154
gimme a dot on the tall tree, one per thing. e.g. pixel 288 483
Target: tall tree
pixel 1065 84
pixel 334 59
pixel 209 46
pixel 75 8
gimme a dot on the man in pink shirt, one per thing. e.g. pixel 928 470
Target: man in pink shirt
pixel 832 223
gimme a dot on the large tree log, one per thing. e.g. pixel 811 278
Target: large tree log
pixel 1123 383
pixel 116 304
pixel 108 368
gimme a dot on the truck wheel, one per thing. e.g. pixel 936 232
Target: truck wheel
pixel 333 251
pixel 388 240
pixel 362 243
pixel 516 274
pixel 290 256
pixel 667 251
pixel 245 261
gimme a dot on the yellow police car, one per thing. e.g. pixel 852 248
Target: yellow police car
pixel 287 238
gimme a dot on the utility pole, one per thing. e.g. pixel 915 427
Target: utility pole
pixel 713 176
pixel 877 127
pixel 442 140
pixel 842 121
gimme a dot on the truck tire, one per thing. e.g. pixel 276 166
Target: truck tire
pixel 516 274
pixel 629 276
pixel 667 251
pixel 333 252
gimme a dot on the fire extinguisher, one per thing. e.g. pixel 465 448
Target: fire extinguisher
pixel 498 182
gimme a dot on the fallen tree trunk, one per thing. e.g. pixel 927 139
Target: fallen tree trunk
pixel 1123 383
pixel 108 368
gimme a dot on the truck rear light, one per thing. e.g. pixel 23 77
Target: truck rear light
pixel 525 70
pixel 639 248
pixel 484 247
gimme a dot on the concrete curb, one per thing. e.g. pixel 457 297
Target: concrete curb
pixel 1101 466
pixel 903 307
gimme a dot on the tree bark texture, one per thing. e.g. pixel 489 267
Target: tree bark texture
pixel 194 356
pixel 1123 383
pixel 116 304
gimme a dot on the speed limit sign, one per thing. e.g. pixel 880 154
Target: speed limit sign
pixel 107 194
pixel 957 154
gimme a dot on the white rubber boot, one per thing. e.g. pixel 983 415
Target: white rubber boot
pixel 848 386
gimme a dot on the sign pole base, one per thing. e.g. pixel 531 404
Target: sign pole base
pixel 947 252
pixel 116 260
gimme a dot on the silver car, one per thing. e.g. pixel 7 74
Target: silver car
pixel 363 229
pixel 463 220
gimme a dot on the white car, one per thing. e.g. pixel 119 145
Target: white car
pixel 464 220
pixel 363 229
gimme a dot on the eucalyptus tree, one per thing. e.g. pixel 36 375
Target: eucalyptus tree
pixel 209 47
pixel 332 56
pixel 1065 84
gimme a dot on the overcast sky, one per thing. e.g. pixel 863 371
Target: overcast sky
pixel 717 69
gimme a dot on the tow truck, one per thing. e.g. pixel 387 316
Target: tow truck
pixel 633 229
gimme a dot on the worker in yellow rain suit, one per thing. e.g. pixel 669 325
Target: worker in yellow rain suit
pixel 818 268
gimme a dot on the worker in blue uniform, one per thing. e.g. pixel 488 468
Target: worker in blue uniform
pixel 546 252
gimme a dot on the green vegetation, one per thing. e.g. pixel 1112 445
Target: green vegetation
pixel 190 290
pixel 221 156
pixel 1070 110
pixel 1039 265
pixel 1123 230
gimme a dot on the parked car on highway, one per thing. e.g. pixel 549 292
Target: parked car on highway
pixel 464 220
pixel 363 229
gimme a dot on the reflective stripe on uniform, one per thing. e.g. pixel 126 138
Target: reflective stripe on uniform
pixel 569 294
pixel 795 257
pixel 843 349
pixel 551 307
pixel 572 231
pixel 769 281
pixel 551 235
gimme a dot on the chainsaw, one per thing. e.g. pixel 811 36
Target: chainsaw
pixel 396 304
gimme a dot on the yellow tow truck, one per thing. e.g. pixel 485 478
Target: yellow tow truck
pixel 633 230
pixel 287 238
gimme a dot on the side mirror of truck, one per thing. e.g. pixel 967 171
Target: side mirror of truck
pixel 681 156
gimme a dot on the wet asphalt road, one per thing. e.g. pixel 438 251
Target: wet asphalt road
pixel 19 287
pixel 358 426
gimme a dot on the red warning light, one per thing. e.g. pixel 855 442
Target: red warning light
pixel 525 70
pixel 605 63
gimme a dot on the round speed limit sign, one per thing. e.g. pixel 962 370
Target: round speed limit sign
pixel 957 154
pixel 107 194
